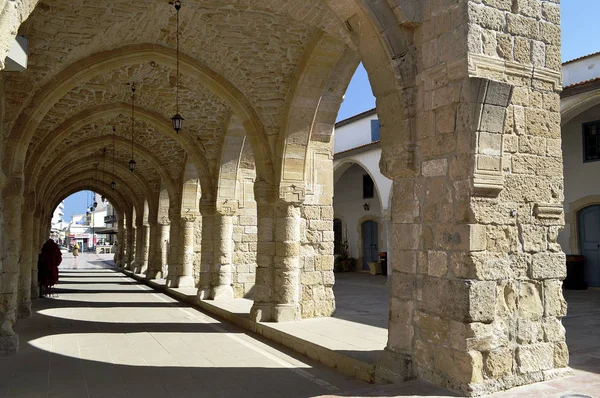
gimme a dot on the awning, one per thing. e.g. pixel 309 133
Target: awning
pixel 105 231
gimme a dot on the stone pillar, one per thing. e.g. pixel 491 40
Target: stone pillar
pixel 186 251
pixel 152 243
pixel 386 222
pixel 11 206
pixel 286 294
pixel 35 251
pixel 122 237
pixel 25 283
pixel 265 251
pixel 144 232
pixel 154 247
pixel 173 257
pixel 160 256
pixel 139 246
pixel 129 256
pixel 207 211
pixel 222 267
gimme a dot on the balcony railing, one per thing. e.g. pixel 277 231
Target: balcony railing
pixel 110 219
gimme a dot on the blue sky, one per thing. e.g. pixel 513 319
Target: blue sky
pixel 580 32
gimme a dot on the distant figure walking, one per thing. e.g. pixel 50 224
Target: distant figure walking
pixel 48 262
pixel 76 250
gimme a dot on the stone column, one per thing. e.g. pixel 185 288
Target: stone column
pixel 186 251
pixel 153 263
pixel 152 248
pixel 286 295
pixel 35 251
pixel 160 255
pixel 139 246
pixel 144 232
pixel 25 283
pixel 386 222
pixel 207 210
pixel 129 256
pixel 173 257
pixel 12 205
pixel 221 270
pixel 265 250
pixel 122 237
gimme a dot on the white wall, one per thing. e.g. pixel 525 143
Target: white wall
pixel 348 206
pixel 580 179
pixel 582 70
pixel 353 135
pixel 370 161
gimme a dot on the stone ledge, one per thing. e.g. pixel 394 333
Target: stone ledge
pixel 343 363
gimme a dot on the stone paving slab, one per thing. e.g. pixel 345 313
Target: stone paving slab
pixel 104 335
pixel 351 347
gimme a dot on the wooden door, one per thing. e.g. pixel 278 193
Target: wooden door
pixel 589 242
pixel 369 240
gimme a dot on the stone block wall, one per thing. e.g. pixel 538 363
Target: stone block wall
pixel 245 232
pixel 476 291
pixel 316 237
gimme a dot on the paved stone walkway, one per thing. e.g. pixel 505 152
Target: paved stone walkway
pixel 105 335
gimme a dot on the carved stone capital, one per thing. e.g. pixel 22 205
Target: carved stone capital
pixel 227 207
pixel 292 193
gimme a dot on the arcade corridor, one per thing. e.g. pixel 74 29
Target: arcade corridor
pixel 105 335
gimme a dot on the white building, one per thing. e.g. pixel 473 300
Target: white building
pixel 362 195
pixel 58 225
pixel 361 211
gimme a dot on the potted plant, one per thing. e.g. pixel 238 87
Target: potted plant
pixel 343 262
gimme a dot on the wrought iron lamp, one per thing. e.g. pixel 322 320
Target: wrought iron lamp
pixel 132 161
pixel 177 119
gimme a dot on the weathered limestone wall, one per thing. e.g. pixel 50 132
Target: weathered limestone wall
pixel 316 236
pixel 476 295
pixel 245 233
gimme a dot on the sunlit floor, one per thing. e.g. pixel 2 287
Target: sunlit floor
pixel 105 335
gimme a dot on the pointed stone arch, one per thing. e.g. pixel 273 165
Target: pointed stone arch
pixel 54 139
pixel 119 142
pixel 89 67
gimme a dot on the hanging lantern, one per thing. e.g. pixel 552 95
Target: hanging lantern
pixel 177 122
pixel 95 204
pixel 113 185
pixel 132 165
pixel 177 119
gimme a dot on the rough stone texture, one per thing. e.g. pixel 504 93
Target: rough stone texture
pixel 467 96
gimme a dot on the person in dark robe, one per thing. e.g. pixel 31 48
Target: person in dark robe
pixel 48 262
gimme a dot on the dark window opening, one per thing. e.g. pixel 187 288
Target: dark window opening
pixel 337 236
pixel 375 126
pixel 368 187
pixel 591 141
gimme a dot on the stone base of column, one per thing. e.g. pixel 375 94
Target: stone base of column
pixel 261 312
pixel 9 344
pixel 286 313
pixel 153 274
pixel 393 367
pixel 204 293
pixel 185 281
pixel 222 293
pixel 24 310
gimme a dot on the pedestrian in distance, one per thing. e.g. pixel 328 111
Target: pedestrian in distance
pixel 48 262
pixel 76 250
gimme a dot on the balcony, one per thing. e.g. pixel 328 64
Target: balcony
pixel 110 219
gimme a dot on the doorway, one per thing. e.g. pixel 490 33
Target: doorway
pixel 369 243
pixel 589 242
